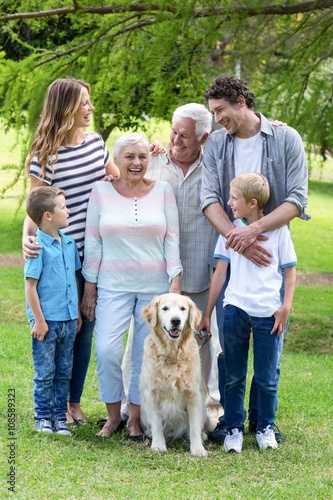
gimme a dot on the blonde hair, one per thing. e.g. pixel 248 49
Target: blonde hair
pixel 40 200
pixel 62 100
pixel 253 185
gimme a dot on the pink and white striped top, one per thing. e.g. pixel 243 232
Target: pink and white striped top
pixel 132 244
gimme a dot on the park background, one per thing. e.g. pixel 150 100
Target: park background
pixel 144 59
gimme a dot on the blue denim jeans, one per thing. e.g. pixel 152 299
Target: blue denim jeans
pixel 82 353
pixel 81 359
pixel 253 400
pixel 53 361
pixel 253 404
pixel 237 329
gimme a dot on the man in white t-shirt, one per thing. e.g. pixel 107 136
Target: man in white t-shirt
pixel 248 142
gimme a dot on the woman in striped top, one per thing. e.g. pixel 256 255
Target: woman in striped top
pixel 131 255
pixel 63 155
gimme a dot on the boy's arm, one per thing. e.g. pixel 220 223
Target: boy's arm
pixel 218 279
pixel 40 327
pixel 281 315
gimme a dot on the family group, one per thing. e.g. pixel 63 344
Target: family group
pixel 208 217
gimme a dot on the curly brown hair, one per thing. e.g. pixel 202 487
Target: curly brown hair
pixel 229 88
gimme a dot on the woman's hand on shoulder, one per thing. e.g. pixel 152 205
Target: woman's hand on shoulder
pixel 30 247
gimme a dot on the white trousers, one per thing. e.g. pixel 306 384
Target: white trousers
pixel 114 311
pixel 209 352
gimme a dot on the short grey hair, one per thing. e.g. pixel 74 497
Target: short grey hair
pixel 199 113
pixel 127 140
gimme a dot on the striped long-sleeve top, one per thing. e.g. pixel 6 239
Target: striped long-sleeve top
pixel 132 244
pixel 76 171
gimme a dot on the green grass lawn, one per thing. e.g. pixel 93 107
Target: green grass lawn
pixel 86 467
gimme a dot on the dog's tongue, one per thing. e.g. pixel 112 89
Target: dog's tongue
pixel 174 332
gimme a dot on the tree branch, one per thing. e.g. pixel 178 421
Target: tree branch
pixel 142 7
pixel 85 46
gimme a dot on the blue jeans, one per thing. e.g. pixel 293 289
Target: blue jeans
pixel 53 361
pixel 237 329
pixel 82 353
pixel 253 405
pixel 253 400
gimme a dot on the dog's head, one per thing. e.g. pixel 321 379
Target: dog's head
pixel 176 315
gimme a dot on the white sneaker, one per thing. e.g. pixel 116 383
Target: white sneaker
pixel 233 441
pixel 266 439
pixel 61 428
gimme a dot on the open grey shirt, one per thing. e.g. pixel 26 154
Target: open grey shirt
pixel 283 164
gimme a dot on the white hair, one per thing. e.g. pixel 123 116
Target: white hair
pixel 199 114
pixel 127 140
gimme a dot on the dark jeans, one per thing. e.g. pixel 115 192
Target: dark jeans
pixel 82 353
pixel 253 405
pixel 238 326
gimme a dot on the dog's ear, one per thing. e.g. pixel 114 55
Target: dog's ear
pixel 194 315
pixel 150 312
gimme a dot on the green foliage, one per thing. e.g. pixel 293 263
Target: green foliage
pixel 147 58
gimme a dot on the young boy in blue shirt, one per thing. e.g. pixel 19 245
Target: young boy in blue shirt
pixel 52 307
pixel 252 302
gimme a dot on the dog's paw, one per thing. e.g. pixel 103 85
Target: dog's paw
pixel 199 452
pixel 158 445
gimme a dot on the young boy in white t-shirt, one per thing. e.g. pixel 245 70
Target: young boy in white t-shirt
pixel 252 302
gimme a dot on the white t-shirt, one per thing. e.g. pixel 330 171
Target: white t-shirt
pixel 256 290
pixel 248 154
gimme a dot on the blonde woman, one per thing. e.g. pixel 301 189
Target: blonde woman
pixel 63 155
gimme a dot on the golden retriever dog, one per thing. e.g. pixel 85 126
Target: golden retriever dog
pixel 172 392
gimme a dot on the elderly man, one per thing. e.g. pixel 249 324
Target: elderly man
pixel 180 165
pixel 248 142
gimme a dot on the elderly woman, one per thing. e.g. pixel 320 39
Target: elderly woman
pixel 131 255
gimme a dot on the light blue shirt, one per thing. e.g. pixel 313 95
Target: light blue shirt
pixel 55 268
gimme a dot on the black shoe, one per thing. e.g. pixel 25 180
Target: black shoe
pixel 218 434
pixel 278 436
pixel 252 427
